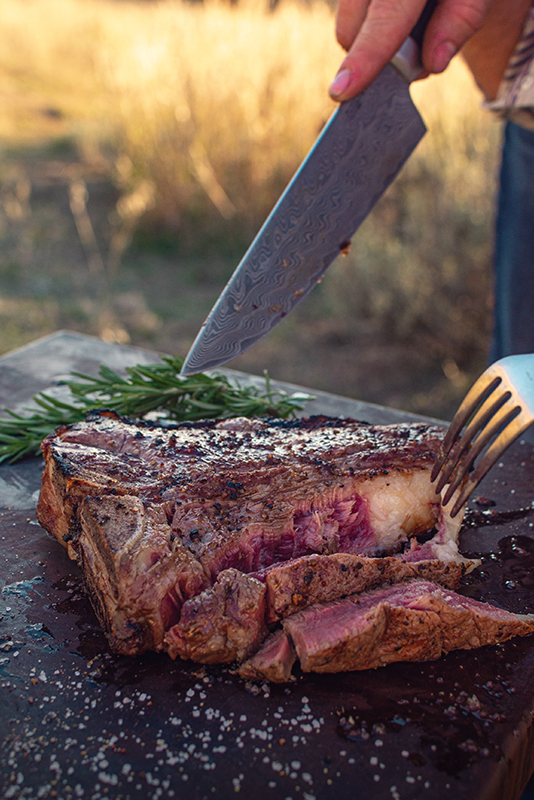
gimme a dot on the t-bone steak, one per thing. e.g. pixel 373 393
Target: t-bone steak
pixel 202 539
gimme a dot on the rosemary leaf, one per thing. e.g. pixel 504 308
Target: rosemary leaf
pixel 154 388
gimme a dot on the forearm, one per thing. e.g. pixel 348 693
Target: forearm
pixel 488 52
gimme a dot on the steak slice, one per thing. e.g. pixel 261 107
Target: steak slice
pixel 414 621
pixel 313 579
pixel 273 661
pixel 157 516
pixel 222 624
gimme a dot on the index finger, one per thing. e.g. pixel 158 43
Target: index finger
pixel 385 27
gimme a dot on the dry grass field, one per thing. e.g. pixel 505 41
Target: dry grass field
pixel 142 145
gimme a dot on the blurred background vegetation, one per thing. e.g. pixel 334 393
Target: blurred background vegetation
pixel 142 145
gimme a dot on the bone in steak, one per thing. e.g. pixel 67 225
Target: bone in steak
pixel 192 538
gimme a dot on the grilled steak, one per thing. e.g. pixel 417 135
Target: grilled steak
pixel 247 493
pixel 414 621
pixel 222 624
pixel 137 572
pixel 304 581
pixel 273 661
pixel 194 539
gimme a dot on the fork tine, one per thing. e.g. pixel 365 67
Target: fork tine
pixel 500 421
pixel 519 424
pixel 482 417
pixel 478 393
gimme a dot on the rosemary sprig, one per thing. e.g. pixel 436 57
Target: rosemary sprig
pixel 145 389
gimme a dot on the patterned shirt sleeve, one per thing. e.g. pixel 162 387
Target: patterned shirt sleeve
pixel 515 98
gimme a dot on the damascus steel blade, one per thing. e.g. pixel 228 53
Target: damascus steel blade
pixel 356 157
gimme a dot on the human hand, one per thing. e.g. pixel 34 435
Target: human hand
pixel 373 30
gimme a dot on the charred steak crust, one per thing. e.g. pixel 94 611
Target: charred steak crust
pixel 227 460
pixel 192 538
pixel 217 479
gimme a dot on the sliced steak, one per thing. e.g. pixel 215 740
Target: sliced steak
pixel 414 621
pixel 139 575
pixel 313 579
pixel 222 624
pixel 273 661
pixel 165 521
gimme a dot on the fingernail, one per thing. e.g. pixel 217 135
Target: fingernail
pixel 442 55
pixel 340 82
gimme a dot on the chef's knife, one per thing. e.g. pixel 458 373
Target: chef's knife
pixel 356 157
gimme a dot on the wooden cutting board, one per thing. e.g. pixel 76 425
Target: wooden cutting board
pixel 78 721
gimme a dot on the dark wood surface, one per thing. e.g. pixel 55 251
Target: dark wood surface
pixel 77 719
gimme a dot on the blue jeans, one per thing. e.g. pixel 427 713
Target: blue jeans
pixel 514 258
pixel 514 247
